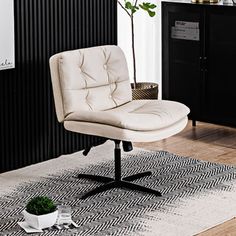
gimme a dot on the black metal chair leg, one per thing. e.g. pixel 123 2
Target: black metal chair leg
pixel 98 178
pixel 100 189
pixel 117 182
pixel 137 176
pixel 133 186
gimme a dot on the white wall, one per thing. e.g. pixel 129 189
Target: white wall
pixel 7 59
pixel 147 43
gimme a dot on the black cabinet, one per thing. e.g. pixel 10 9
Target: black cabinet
pixel 198 56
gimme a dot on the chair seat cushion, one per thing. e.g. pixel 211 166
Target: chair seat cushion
pixel 137 115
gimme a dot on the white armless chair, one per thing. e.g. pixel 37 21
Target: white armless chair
pixel 93 96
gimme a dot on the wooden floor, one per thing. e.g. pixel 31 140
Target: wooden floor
pixel 206 142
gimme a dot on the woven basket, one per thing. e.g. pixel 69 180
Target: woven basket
pixel 144 90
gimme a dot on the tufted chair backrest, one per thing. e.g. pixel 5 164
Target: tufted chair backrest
pixel 89 79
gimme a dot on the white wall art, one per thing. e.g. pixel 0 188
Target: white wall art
pixel 7 47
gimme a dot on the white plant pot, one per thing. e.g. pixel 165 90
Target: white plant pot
pixel 40 221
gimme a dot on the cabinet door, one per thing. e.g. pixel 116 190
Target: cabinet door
pixel 220 83
pixel 181 57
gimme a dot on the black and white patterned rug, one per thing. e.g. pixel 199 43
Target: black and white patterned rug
pixel 196 195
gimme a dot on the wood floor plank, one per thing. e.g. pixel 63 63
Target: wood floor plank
pixel 207 142
pixel 226 229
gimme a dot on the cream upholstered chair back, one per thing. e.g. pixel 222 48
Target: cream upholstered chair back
pixel 89 79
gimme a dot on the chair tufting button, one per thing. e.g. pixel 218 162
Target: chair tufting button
pixel 105 67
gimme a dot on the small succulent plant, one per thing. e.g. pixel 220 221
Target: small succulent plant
pixel 40 206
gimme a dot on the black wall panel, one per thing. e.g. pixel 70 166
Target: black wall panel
pixel 29 130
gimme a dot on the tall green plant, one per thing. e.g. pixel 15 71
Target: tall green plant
pixel 131 8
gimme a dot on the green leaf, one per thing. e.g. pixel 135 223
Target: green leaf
pixel 128 5
pixel 152 6
pixel 132 8
pixel 140 5
pixel 146 6
pixel 151 13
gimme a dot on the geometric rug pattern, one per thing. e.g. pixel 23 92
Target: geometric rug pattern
pixel 121 211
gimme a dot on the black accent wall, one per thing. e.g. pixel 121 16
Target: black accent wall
pixel 29 129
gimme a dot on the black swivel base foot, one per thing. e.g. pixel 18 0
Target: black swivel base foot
pixel 112 183
pixel 117 182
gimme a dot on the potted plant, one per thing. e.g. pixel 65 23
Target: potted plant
pixel 40 213
pixel 144 90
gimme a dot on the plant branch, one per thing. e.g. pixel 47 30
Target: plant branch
pixel 124 8
pixel 133 51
